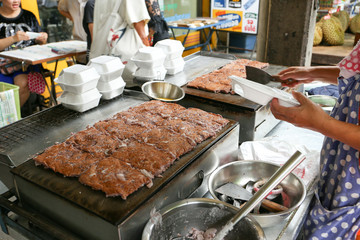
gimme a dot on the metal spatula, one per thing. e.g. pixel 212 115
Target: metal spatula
pixel 259 76
pixel 275 179
pixel 235 191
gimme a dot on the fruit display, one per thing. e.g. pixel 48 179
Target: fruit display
pixel 330 30
pixel 355 24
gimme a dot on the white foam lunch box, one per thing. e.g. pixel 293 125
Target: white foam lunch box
pixel 260 93
pixel 109 67
pixel 111 89
pixel 150 73
pixel 78 74
pixel 172 48
pixel 77 88
pixel 80 102
pixel 174 66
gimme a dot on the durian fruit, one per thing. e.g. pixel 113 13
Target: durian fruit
pixel 355 24
pixel 344 18
pixel 318 34
pixel 333 33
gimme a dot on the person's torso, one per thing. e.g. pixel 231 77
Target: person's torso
pixel 25 22
pixel 76 10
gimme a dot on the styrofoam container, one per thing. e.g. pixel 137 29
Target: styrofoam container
pixel 80 102
pixel 149 63
pixel 111 89
pixel 110 85
pixel 260 93
pixel 107 64
pixel 77 88
pixel 78 74
pixel 174 66
pixel 149 54
pixel 172 48
pixel 109 76
pixel 84 106
pixel 74 98
pixel 150 73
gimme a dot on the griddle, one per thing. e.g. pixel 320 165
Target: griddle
pixel 22 139
pixel 232 99
pixel 111 209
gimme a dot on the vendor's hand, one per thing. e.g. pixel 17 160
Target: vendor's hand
pixel 20 36
pixel 306 115
pixel 42 39
pixel 294 76
pixel 145 41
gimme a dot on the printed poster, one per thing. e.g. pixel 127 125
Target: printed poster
pixel 243 13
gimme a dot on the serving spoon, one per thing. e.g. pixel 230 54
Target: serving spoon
pixel 275 179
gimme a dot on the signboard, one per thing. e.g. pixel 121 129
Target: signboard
pixel 243 13
pixel 174 10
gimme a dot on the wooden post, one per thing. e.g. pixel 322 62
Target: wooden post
pixel 286 30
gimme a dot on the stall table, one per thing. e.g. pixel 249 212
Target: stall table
pixel 206 43
pixel 38 54
pixel 332 55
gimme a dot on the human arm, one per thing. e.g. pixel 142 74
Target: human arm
pixel 65 14
pixel 19 36
pixel 91 29
pixel 311 116
pixel 293 76
pixel 42 39
pixel 140 29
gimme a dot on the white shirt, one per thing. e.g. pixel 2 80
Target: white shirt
pixel 76 10
pixel 118 14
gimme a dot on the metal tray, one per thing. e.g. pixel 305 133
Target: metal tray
pixel 95 202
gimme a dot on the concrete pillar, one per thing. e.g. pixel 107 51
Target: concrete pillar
pixel 286 31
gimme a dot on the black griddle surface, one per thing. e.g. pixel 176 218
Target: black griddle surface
pixel 112 209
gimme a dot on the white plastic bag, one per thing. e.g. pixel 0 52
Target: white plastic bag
pixel 278 152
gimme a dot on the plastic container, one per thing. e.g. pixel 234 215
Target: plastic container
pixel 80 102
pixel 5 87
pixel 78 74
pixel 149 54
pixel 109 76
pixel 171 48
pixel 174 66
pixel 77 88
pixel 149 63
pixel 111 89
pixel 261 94
pixel 107 66
pixel 150 73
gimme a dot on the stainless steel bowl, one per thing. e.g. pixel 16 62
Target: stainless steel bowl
pixel 163 91
pixel 241 172
pixel 200 213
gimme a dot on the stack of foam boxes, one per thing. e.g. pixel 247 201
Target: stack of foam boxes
pixel 150 63
pixel 173 50
pixel 110 68
pixel 78 83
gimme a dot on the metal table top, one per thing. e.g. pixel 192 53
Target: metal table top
pixel 20 140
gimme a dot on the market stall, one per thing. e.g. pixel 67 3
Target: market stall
pixel 80 211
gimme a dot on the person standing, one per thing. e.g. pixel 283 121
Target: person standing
pixel 88 25
pixel 74 10
pixel 15 22
pixel 120 29
pixel 158 28
pixel 335 210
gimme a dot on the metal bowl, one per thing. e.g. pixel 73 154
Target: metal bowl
pixel 163 91
pixel 200 213
pixel 241 172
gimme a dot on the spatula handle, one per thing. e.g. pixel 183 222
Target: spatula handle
pixel 273 206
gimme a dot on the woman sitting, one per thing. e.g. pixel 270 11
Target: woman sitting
pixel 14 23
